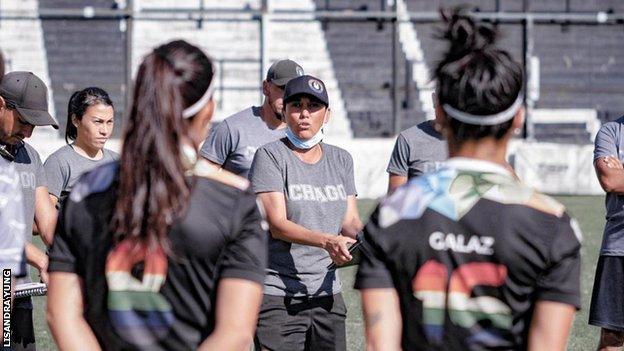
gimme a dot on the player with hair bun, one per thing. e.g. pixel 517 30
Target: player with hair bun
pixel 468 258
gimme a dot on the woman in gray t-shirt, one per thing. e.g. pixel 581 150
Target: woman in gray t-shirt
pixel 90 121
pixel 307 188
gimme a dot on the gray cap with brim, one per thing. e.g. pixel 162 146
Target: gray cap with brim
pixel 37 118
pixel 29 96
pixel 282 71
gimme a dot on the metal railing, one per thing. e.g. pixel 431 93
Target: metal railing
pixel 221 87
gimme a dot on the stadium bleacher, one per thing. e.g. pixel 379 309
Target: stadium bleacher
pixel 580 67
pixel 533 5
pixel 23 48
pixel 233 44
pixel 362 57
pixel 313 55
pixel 81 54
pixel 578 63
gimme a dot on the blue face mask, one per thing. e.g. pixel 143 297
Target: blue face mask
pixel 304 144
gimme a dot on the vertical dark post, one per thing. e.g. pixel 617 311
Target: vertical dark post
pixel 129 16
pixel 263 45
pixel 396 51
pixel 221 82
pixel 324 22
pixel 527 49
pixel 200 21
pixel 497 5
pixel 409 72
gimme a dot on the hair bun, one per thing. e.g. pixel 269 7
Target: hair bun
pixel 464 33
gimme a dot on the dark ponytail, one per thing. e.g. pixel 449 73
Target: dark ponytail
pixel 475 76
pixel 153 191
pixel 78 104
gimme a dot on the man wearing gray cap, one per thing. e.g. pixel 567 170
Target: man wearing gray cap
pixel 24 105
pixel 233 143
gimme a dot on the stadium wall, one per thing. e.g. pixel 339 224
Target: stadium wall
pixel 558 169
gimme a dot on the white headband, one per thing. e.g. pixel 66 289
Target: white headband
pixel 489 120
pixel 199 104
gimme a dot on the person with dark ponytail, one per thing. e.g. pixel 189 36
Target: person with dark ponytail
pixel 90 121
pixel 467 257
pixel 160 251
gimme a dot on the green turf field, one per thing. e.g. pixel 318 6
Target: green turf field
pixel 588 210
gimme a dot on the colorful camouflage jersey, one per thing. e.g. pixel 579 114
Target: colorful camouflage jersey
pixel 470 250
pixel 136 296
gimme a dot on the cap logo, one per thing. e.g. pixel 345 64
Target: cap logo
pixel 299 71
pixel 315 85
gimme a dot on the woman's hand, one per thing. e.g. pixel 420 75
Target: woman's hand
pixel 338 248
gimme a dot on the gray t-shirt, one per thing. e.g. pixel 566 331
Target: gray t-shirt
pixel 30 171
pixel 65 166
pixel 610 142
pixel 233 142
pixel 32 175
pixel 316 198
pixel 11 221
pixel 419 149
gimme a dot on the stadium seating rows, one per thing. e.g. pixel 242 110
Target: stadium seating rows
pixel 578 63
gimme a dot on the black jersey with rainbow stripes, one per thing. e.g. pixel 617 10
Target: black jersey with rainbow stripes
pixel 470 250
pixel 139 298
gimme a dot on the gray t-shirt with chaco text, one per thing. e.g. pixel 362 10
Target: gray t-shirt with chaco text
pixel 316 198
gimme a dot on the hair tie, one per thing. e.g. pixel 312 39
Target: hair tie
pixel 487 120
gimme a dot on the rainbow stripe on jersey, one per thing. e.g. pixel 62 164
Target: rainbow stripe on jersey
pixel 137 311
pixel 440 294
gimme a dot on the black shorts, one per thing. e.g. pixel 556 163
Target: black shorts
pixel 298 324
pixel 607 303
pixel 22 329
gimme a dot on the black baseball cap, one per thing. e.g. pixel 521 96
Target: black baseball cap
pixel 282 71
pixel 306 85
pixel 29 96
